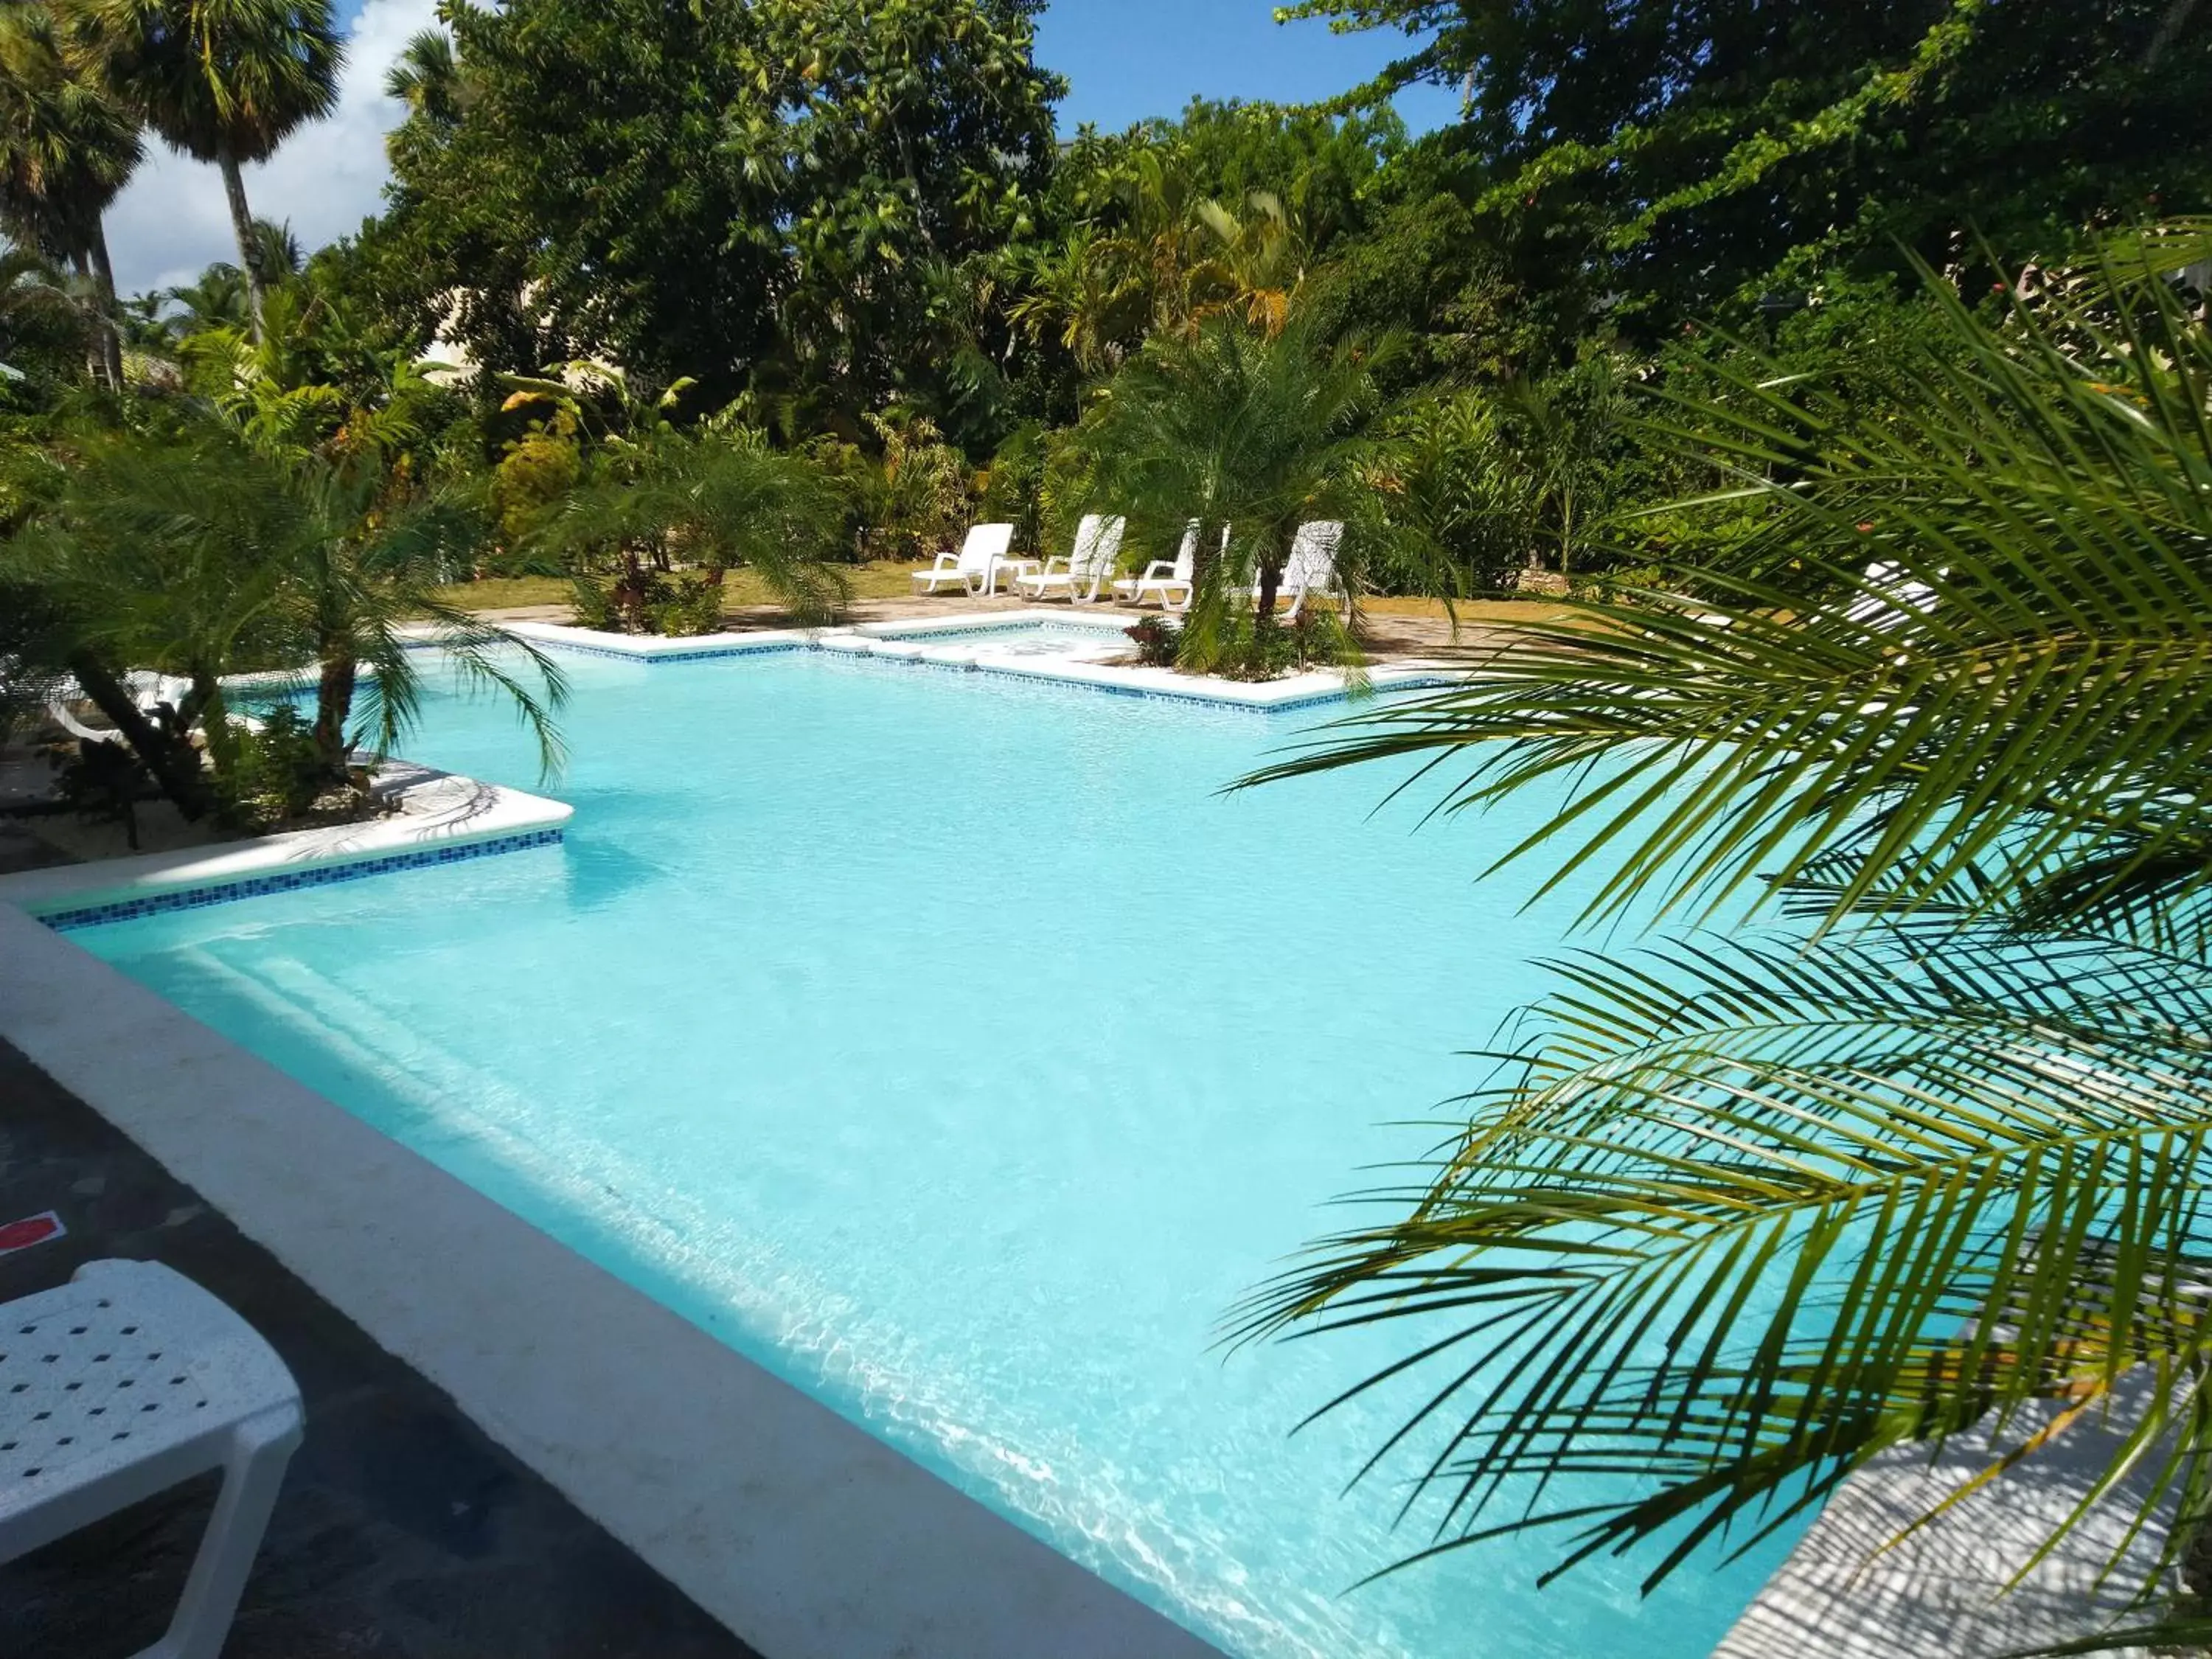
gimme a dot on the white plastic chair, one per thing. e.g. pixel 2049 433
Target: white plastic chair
pixel 58 711
pixel 147 690
pixel 121 1384
pixel 1170 582
pixel 977 561
pixel 1097 546
pixel 1311 567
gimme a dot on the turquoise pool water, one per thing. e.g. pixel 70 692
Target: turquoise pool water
pixel 951 1045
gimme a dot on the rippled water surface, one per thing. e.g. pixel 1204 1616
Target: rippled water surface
pixel 953 1046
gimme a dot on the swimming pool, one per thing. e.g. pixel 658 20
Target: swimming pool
pixel 948 1044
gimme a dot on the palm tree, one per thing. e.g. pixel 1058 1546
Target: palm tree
pixel 1925 1147
pixel 426 77
pixel 365 586
pixel 222 80
pixel 216 299
pixel 281 256
pixel 66 150
pixel 1246 433
pixel 165 555
pixel 376 545
pixel 720 498
pixel 200 555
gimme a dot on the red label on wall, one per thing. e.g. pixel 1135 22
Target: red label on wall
pixel 37 1230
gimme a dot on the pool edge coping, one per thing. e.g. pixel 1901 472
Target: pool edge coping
pixel 442 816
pixel 907 642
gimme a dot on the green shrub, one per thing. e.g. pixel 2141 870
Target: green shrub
pixel 1255 647
pixel 1156 639
pixel 275 774
pixel 592 605
pixel 688 605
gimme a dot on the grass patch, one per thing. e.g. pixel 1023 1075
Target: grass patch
pixel 1473 613
pixel 887 579
pixel 883 579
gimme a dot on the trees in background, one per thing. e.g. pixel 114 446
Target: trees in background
pixel 773 199
pixel 1660 161
pixel 66 150
pixel 223 81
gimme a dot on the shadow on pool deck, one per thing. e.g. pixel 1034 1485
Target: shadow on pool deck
pixel 402 1532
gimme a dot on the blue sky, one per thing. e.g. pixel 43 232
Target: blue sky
pixel 1125 59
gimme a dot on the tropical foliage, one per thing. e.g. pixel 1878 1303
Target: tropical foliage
pixel 1915 1141
pixel 1842 371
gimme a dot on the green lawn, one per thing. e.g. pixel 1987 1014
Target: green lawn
pixel 883 579
pixel 887 579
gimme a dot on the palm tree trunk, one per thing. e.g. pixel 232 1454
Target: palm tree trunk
pixel 95 364
pixel 173 762
pixel 103 278
pixel 334 707
pixel 1203 552
pixel 1270 584
pixel 241 225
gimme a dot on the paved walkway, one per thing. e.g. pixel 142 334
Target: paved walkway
pixel 402 1534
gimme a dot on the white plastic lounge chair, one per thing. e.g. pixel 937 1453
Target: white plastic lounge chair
pixel 147 690
pixel 1097 546
pixel 124 1383
pixel 1894 598
pixel 1170 581
pixel 58 711
pixel 1311 567
pixel 975 566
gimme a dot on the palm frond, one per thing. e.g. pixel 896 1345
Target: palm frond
pixel 1734 1219
pixel 2043 492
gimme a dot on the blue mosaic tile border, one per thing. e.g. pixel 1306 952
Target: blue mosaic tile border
pixel 160 902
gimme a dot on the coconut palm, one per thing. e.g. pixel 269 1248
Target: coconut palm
pixel 66 150
pixel 222 80
pixel 1741 1210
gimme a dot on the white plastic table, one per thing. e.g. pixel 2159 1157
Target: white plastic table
pixel 121 1384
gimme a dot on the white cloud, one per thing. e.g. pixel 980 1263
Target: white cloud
pixel 171 221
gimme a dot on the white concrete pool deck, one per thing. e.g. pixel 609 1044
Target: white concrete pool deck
pixel 1850 1590
pixel 909 641
pixel 435 811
